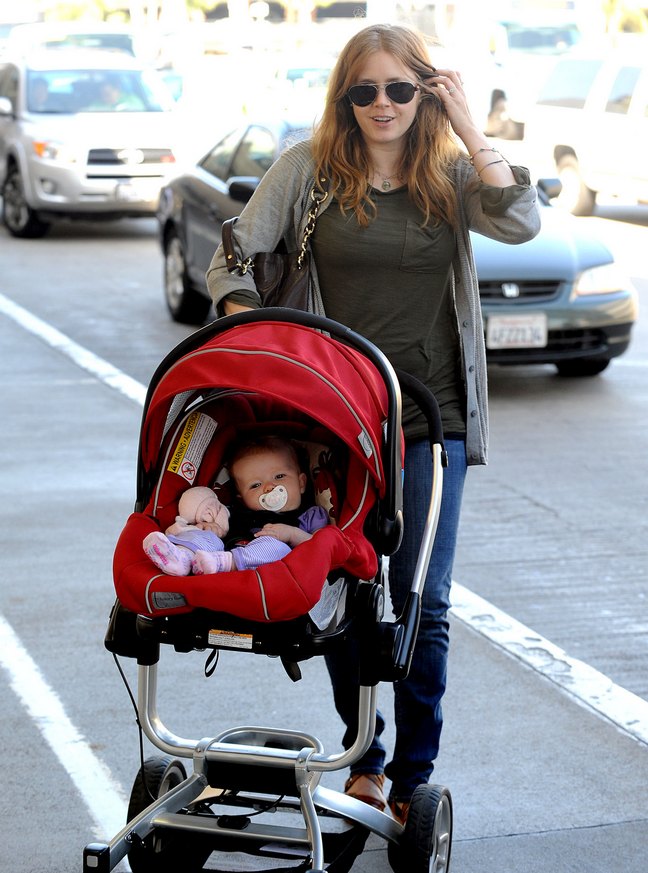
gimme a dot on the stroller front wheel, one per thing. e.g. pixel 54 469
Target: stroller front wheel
pixel 162 852
pixel 426 842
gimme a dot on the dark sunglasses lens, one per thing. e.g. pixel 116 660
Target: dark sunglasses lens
pixel 401 92
pixel 362 95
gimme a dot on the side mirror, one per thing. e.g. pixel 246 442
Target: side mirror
pixel 548 189
pixel 241 188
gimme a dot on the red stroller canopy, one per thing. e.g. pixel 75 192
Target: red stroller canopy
pixel 259 368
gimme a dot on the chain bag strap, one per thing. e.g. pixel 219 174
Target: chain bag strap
pixel 281 279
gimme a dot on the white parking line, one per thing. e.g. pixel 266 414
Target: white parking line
pixel 104 797
pixel 88 361
pixel 591 688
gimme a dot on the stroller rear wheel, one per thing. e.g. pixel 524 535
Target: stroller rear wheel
pixel 427 838
pixel 162 852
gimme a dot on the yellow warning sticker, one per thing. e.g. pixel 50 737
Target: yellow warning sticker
pixel 230 639
pixel 191 446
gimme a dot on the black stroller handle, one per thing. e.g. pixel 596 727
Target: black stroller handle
pixel 426 402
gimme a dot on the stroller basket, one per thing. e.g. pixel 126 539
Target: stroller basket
pixel 288 372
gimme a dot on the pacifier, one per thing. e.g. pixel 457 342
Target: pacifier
pixel 274 500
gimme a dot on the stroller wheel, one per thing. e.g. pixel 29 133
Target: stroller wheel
pixel 427 838
pixel 161 852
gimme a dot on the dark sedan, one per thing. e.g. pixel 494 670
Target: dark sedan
pixel 559 299
pixel 194 206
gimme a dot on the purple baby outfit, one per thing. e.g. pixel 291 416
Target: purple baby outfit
pixel 260 550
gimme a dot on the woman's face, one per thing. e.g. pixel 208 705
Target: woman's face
pixel 385 121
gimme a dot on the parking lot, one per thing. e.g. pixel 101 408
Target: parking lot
pixel 546 729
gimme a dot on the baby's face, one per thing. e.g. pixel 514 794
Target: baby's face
pixel 260 473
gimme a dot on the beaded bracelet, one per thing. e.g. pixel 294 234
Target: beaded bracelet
pixel 474 155
pixel 501 161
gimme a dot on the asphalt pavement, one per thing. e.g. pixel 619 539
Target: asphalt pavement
pixel 541 783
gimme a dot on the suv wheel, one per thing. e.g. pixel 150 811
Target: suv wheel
pixel 19 218
pixel 575 196
pixel 185 304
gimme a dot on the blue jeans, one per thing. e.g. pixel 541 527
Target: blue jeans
pixel 417 699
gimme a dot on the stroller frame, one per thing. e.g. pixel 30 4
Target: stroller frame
pixel 244 765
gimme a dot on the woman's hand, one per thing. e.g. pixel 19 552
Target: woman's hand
pixel 489 165
pixel 447 86
pixel 231 308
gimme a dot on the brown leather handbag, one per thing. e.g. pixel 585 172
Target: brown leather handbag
pixel 281 278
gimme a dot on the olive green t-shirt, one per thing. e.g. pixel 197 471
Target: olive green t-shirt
pixel 390 282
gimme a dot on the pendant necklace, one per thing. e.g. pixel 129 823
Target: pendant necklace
pixel 386 180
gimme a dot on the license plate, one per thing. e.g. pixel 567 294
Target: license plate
pixel 128 192
pixel 516 331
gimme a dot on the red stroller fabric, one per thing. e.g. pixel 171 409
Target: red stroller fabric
pixel 276 375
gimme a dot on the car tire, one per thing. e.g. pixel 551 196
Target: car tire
pixel 18 217
pixel 582 368
pixel 575 196
pixel 185 304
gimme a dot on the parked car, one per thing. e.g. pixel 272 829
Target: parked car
pixel 68 149
pixel 194 206
pixel 559 299
pixel 589 126
pixel 24 39
pixel 526 47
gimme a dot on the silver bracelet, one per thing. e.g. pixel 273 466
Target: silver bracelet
pixel 479 151
pixel 501 161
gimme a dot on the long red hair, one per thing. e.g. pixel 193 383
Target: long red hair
pixel 339 149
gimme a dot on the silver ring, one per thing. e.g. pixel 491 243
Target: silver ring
pixel 451 90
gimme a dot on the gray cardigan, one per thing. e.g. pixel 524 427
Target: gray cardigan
pixel 278 208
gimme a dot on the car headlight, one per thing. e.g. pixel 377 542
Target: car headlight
pixel 604 279
pixel 54 151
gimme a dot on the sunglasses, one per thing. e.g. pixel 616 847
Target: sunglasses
pixel 399 92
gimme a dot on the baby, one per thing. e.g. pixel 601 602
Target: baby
pixel 270 485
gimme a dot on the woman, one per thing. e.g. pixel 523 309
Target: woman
pixel 393 261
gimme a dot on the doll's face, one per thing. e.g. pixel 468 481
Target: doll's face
pixel 260 475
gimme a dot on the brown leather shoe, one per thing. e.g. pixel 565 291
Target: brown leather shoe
pixel 399 810
pixel 367 787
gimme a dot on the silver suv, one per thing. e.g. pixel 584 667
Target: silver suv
pixel 82 134
pixel 590 127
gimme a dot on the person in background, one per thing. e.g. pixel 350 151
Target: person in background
pixel 408 175
pixel 112 98
pixel 39 95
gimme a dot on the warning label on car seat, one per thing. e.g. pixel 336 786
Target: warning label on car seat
pixel 192 444
pixel 229 639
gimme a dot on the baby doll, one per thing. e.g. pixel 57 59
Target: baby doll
pixel 201 524
pixel 270 486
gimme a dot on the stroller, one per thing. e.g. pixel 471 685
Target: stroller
pixel 282 372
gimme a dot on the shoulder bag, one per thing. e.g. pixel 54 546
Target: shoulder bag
pixel 281 278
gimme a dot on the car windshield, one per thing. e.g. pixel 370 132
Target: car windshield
pixel 72 91
pixel 542 40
